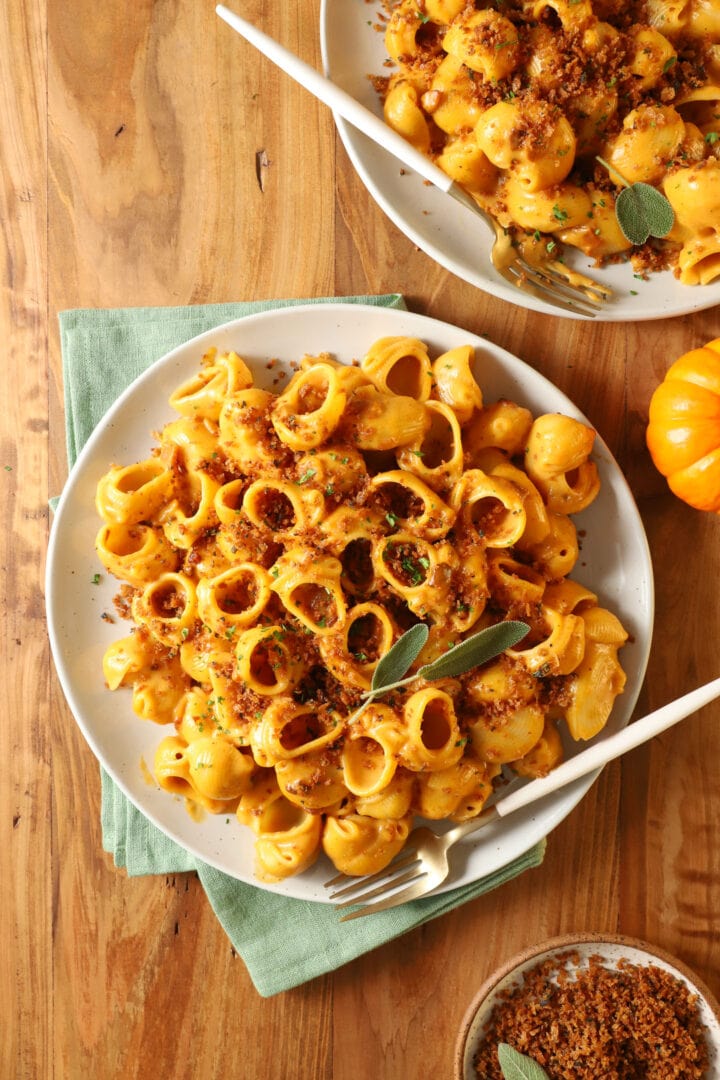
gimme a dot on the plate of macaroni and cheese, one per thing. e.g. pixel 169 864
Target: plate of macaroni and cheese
pixel 265 513
pixel 559 117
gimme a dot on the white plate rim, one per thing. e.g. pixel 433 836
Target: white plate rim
pixel 416 217
pixel 498 845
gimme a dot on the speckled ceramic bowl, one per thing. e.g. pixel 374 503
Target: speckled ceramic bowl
pixel 612 949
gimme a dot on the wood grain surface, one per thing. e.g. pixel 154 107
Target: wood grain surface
pixel 151 158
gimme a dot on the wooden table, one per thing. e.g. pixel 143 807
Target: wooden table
pixel 130 153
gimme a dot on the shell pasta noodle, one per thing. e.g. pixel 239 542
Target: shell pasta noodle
pixel 541 109
pixel 274 546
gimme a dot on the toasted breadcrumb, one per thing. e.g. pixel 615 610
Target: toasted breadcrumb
pixel 598 1023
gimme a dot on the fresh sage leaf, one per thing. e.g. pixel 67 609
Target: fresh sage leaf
pixel 642 211
pixel 475 650
pixel 517 1066
pixel 397 660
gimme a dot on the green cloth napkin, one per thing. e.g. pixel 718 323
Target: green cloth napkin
pixel 103 352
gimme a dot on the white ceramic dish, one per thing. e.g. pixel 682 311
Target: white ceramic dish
pixel 615 562
pixel 353 49
pixel 612 948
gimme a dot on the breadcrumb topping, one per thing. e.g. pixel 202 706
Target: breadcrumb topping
pixel 599 1023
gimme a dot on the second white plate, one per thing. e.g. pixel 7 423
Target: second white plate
pixel 352 50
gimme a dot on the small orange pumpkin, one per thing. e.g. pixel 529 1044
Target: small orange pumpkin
pixel 683 433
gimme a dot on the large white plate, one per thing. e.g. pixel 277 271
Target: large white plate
pixel 615 562
pixel 352 49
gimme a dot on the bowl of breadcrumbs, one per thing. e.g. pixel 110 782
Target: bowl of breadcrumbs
pixel 591 1007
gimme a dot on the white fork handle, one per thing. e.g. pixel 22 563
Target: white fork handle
pixel 338 100
pixel 601 753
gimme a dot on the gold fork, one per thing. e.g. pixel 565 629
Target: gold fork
pixel 423 863
pixel 554 284
pixel 549 280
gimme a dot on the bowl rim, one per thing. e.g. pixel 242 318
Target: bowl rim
pixel 561 941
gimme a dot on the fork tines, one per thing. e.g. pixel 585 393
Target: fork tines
pixel 400 862
pixel 594 291
pixel 554 289
pixel 579 287
pixel 383 883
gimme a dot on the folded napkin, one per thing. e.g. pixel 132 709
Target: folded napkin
pixel 103 352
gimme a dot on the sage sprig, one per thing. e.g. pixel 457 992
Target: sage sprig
pixel 641 210
pixel 391 671
pixel 398 660
pixel 475 650
pixel 517 1066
